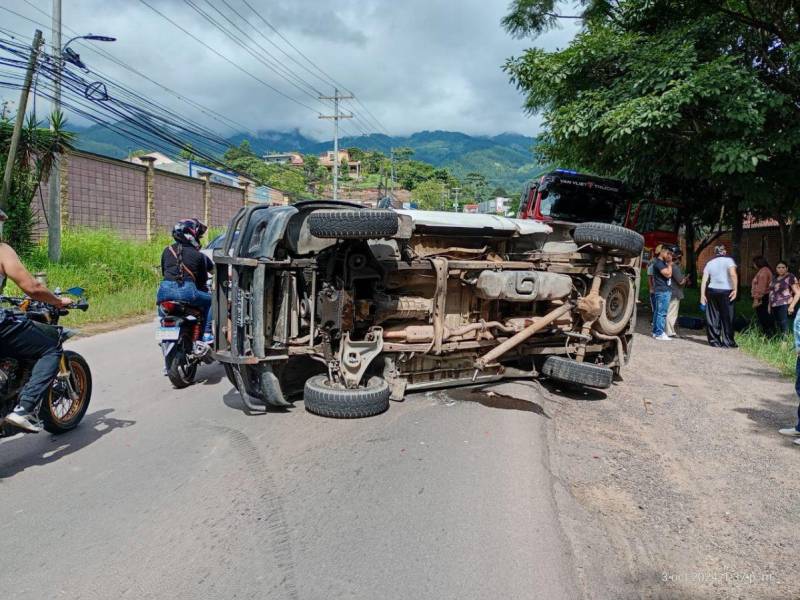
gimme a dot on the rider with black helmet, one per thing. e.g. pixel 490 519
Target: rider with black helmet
pixel 185 270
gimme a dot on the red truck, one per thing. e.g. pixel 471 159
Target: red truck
pixel 564 195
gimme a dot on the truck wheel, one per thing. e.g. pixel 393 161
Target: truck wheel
pixel 619 302
pixel 364 224
pixel 586 374
pixel 331 400
pixel 616 239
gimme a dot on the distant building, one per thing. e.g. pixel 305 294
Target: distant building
pixel 190 168
pixel 495 206
pixel 293 159
pixel 353 166
pixel 470 208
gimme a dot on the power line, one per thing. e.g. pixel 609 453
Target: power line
pixel 330 79
pixel 264 61
pixel 225 58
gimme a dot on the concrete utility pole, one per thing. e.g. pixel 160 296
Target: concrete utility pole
pixel 54 197
pixel 23 104
pixel 455 202
pixel 336 116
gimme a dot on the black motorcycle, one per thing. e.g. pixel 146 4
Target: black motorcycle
pixel 180 335
pixel 69 396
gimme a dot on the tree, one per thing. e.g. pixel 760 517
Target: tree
pixel 187 153
pixel 429 195
pixel 403 153
pixel 34 158
pixel 242 151
pixel 499 192
pixel 681 99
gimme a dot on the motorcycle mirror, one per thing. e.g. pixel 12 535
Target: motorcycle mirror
pixel 76 291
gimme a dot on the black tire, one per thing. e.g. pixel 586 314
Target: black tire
pixel 58 416
pixel 180 372
pixel 619 302
pixel 586 374
pixel 612 238
pixel 321 398
pixel 365 224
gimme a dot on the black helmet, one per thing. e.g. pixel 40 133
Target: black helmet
pixel 189 231
pixel 675 249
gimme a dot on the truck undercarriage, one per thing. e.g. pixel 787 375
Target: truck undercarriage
pixel 378 303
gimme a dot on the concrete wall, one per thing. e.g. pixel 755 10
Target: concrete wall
pixel 97 191
pixel 175 198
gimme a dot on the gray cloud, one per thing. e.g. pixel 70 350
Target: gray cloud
pixel 417 64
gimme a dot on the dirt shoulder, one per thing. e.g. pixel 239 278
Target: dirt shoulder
pixel 676 483
pixel 90 329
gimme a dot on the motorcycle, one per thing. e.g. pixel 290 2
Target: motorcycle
pixel 66 404
pixel 179 334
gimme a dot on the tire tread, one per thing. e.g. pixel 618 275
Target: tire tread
pixel 587 374
pixel 353 224
pixel 346 403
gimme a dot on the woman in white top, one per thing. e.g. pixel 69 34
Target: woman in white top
pixel 717 293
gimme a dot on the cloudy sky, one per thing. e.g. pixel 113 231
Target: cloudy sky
pixel 415 64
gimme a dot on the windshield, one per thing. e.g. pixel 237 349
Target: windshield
pixel 657 217
pixel 582 204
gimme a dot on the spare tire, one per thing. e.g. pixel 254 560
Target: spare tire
pixel 331 400
pixel 612 238
pixel 364 224
pixel 619 301
pixel 586 374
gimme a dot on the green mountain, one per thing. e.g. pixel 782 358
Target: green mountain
pixel 506 160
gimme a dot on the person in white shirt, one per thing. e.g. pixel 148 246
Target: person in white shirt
pixel 717 293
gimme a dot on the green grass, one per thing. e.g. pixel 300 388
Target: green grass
pixel 777 351
pixel 120 276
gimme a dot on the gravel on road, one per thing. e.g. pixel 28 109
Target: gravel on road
pixel 675 484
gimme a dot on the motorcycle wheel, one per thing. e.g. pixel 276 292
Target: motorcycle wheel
pixel 180 372
pixel 61 413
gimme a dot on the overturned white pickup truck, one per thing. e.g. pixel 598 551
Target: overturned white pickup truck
pixel 367 304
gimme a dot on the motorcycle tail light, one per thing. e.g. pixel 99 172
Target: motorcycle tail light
pixel 168 306
pixel 168 322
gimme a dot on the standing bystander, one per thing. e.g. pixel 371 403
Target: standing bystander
pixel 679 281
pixel 759 290
pixel 662 291
pixel 780 296
pixel 650 283
pixel 717 293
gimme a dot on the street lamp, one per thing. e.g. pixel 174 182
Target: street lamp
pixel 69 55
pixel 62 54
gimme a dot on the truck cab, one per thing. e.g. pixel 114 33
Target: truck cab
pixel 564 196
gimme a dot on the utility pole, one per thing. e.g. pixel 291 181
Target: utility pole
pixel 54 197
pixel 23 104
pixel 455 202
pixel 336 116
pixel 391 155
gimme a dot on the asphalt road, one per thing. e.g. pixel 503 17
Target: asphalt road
pixel 165 493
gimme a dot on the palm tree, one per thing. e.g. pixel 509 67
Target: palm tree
pixel 37 149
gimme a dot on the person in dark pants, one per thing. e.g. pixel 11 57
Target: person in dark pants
pixel 21 338
pixel 185 270
pixel 759 290
pixel 795 431
pixel 717 293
